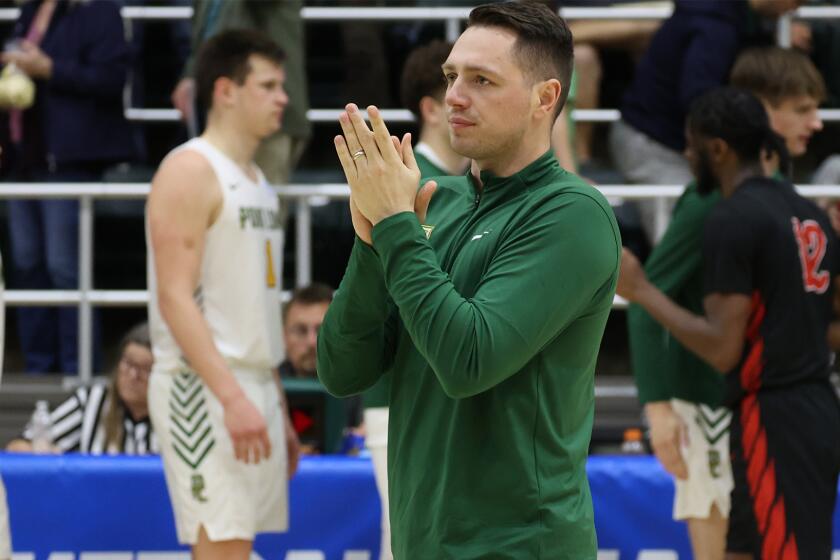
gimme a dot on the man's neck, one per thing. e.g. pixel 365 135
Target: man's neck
pixel 232 141
pixel 510 163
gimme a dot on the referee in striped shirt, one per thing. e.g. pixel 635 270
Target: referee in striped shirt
pixel 109 417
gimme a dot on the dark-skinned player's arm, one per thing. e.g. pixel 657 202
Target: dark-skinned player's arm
pixel 717 338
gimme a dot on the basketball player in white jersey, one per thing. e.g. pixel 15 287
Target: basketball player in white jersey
pixel 214 237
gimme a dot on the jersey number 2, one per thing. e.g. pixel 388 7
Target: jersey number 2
pixel 811 241
pixel 270 278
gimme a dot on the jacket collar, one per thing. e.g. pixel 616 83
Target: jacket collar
pixel 534 173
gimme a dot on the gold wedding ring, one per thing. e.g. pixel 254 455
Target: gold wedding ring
pixel 358 154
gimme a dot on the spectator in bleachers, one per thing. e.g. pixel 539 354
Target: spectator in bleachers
pixel 302 317
pixel 108 417
pixel 77 56
pixel 682 394
pixel 820 40
pixel 278 154
pixel 691 53
pixel 593 38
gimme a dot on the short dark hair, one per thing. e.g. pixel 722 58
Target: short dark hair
pixel 422 75
pixel 544 44
pixel 776 73
pixel 309 295
pixel 226 56
pixel 738 118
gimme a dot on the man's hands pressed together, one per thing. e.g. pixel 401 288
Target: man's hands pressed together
pixel 381 171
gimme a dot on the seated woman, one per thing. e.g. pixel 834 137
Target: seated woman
pixel 107 417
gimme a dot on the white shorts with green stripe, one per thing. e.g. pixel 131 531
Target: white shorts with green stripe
pixel 706 454
pixel 207 485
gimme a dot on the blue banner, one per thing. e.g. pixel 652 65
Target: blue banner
pixel 116 508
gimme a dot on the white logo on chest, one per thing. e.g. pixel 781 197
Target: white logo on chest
pixel 479 235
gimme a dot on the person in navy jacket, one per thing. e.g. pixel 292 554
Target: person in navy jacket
pixel 76 53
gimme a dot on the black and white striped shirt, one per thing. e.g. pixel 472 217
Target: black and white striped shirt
pixel 78 425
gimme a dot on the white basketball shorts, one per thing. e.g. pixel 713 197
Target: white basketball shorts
pixel 207 485
pixel 706 453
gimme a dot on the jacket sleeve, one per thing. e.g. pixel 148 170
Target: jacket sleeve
pixel 674 262
pixel 105 66
pixel 356 339
pixel 542 276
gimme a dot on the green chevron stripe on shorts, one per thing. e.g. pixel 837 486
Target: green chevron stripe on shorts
pixel 714 422
pixel 192 434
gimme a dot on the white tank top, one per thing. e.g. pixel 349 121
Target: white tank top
pixel 239 287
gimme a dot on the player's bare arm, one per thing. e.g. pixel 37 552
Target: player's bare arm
pixel 185 200
pixel 717 337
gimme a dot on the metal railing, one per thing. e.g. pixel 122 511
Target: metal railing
pixel 432 13
pixel 86 296
pixel 405 116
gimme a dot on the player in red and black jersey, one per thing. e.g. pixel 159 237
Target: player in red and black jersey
pixel 770 258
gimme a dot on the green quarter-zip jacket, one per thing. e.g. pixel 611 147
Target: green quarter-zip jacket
pixel 491 332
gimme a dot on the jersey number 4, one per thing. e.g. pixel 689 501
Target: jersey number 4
pixel 812 241
pixel 270 277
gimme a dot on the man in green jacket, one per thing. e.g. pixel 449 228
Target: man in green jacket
pixel 422 90
pixel 682 395
pixel 487 305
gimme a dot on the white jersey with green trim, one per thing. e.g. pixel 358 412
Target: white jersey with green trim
pixel 239 286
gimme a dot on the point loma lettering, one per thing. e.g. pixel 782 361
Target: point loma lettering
pixel 258 218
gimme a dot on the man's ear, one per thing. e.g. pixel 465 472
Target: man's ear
pixel 223 89
pixel 547 96
pixel 718 150
pixel 431 110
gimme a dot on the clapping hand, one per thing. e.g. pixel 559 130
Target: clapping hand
pixel 380 169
